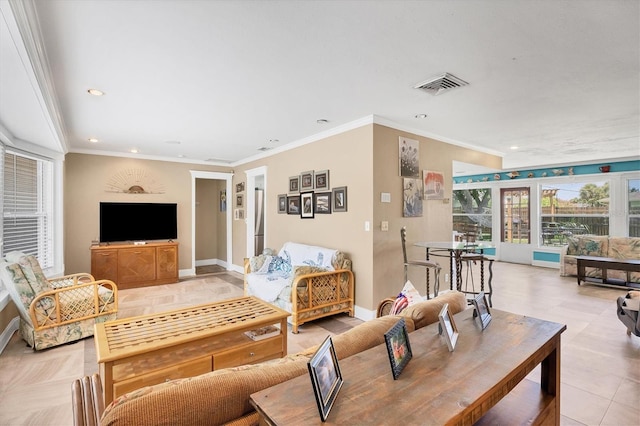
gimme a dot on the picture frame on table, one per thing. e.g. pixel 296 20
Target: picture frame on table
pixel 282 203
pixel 339 199
pixel 398 347
pixel 447 327
pixel 482 309
pixel 306 181
pixel 322 202
pixel 326 377
pixel 321 180
pixel 306 205
pixel 293 204
pixel 294 184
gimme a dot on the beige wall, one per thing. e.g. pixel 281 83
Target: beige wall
pixel 7 315
pixel 434 225
pixel 86 179
pixel 365 160
pixel 348 157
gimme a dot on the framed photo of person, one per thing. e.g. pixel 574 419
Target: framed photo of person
pixel 398 347
pixel 325 377
pixel 294 184
pixel 293 204
pixel 306 205
pixel 448 327
pixel 482 310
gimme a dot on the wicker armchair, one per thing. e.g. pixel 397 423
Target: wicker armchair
pixel 58 311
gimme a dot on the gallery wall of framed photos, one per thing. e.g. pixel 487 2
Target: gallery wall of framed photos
pixel 310 194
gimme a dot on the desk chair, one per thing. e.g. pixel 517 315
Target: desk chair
pixel 427 264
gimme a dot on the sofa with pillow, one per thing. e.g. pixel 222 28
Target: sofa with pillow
pixel 222 396
pixel 322 279
pixel 599 246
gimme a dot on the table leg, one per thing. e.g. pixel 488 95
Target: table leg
pixel 550 377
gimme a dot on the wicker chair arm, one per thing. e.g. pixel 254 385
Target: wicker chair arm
pixel 45 309
pixel 305 281
pixel 71 280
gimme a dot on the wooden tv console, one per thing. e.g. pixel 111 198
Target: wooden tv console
pixel 132 265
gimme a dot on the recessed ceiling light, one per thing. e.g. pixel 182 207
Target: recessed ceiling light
pixel 513 147
pixel 421 115
pixel 180 155
pixel 134 151
pixel 322 121
pixel 274 140
pixel 93 140
pixel 95 92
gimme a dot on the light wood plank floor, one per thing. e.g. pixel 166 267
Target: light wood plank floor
pixel 600 363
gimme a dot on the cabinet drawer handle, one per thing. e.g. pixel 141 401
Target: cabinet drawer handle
pixel 251 354
pixel 167 380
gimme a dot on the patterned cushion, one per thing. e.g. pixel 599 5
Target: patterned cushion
pixel 31 270
pixel 588 245
pixel 407 297
pixel 20 285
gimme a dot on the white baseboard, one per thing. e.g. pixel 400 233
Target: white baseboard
pixel 13 326
pixel 364 314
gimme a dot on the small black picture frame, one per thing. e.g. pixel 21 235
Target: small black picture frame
pixel 482 309
pixel 306 205
pixel 322 202
pixel 326 378
pixel 448 327
pixel 398 347
pixel 339 196
pixel 293 204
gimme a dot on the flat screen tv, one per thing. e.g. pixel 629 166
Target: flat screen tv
pixel 124 222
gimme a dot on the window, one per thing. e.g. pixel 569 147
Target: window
pixel 27 208
pixel 573 208
pixel 473 206
pixel 515 215
pixel 633 192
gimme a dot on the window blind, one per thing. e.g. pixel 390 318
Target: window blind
pixel 27 206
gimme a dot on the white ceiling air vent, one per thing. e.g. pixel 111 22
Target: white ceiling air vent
pixel 442 83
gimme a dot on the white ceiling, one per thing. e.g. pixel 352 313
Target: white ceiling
pixel 221 79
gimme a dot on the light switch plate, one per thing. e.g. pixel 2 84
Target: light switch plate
pixel 384 226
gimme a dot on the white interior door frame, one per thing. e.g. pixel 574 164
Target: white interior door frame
pixel 250 217
pixel 227 177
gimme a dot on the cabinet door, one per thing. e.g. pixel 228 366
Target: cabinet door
pixel 167 262
pixel 104 265
pixel 137 264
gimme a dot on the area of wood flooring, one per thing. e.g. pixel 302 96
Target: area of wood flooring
pixel 600 362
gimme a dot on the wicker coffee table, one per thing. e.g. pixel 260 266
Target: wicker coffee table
pixel 146 350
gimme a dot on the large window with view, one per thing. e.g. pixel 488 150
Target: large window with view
pixel 573 208
pixel 27 207
pixel 633 198
pixel 473 206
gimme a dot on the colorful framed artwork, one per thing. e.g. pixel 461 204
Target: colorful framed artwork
pixel 306 181
pixel 306 205
pixel 322 202
pixel 398 347
pixel 294 184
pixel 448 327
pixel 481 309
pixel 282 203
pixel 293 204
pixel 321 180
pixel 339 199
pixel 409 155
pixel 325 377
pixel 433 183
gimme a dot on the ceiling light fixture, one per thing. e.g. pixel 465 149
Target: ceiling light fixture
pixel 513 148
pixel 93 140
pixel 134 151
pixel 421 115
pixel 95 92
pixel 322 121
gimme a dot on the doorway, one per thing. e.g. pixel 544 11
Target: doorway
pixel 515 225
pixel 211 235
pixel 256 218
